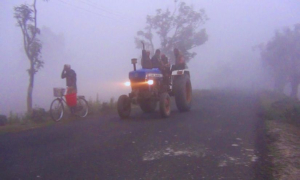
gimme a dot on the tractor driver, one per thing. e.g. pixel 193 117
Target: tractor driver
pixel 146 61
pixel 161 62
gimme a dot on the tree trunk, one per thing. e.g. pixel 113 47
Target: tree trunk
pixel 294 87
pixel 294 92
pixel 31 70
pixel 280 82
pixel 30 90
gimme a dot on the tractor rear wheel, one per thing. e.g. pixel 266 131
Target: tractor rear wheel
pixel 182 88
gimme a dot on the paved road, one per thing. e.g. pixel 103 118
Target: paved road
pixel 217 139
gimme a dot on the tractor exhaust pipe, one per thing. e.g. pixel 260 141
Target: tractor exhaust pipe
pixel 134 61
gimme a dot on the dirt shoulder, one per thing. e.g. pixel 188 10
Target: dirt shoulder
pixel 280 115
pixel 285 149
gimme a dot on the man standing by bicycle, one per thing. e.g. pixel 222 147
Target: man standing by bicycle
pixel 77 104
pixel 70 76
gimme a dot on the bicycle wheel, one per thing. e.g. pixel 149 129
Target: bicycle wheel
pixel 82 108
pixel 57 110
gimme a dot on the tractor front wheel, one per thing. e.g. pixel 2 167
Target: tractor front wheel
pixel 165 105
pixel 124 106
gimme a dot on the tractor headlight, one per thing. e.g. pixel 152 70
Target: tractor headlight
pixel 150 82
pixel 127 83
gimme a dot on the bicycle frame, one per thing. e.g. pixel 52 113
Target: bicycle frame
pixel 62 98
pixel 73 109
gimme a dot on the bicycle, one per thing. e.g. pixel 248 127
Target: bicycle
pixel 81 109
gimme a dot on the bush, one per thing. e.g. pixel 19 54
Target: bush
pixel 94 106
pixel 105 107
pixel 97 107
pixel 108 107
pixel 112 103
pixel 280 107
pixel 39 115
pixel 13 118
pixel 3 120
pixel 293 114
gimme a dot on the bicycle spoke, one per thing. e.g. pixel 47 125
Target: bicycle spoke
pixel 82 107
pixel 56 110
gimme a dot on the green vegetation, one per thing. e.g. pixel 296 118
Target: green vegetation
pixel 98 108
pixel 277 106
pixel 41 118
pixel 281 115
pixel 280 56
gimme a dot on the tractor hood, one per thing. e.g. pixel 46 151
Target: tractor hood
pixel 142 74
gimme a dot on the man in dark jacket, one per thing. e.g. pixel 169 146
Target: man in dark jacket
pixel 179 60
pixel 70 76
pixel 156 62
pixel 146 61
pixel 165 69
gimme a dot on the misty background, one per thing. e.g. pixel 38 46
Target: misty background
pixel 97 39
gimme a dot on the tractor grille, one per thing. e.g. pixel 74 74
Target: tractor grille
pixel 140 85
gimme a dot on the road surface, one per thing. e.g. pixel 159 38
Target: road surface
pixel 217 139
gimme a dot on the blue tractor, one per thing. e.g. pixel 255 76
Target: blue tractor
pixel 149 88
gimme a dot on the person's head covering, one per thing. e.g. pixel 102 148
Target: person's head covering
pixel 148 53
pixel 68 66
pixel 157 51
pixel 164 58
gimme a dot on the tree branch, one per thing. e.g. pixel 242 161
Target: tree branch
pixel 35 13
pixel 34 23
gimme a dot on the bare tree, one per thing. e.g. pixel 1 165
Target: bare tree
pixel 26 17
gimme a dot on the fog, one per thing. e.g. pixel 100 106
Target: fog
pixel 97 39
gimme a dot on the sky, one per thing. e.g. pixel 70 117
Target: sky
pixel 97 39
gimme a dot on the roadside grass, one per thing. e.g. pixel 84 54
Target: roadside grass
pixel 281 115
pixel 277 106
pixel 17 127
pixel 41 118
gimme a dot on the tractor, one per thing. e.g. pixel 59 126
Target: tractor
pixel 148 88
